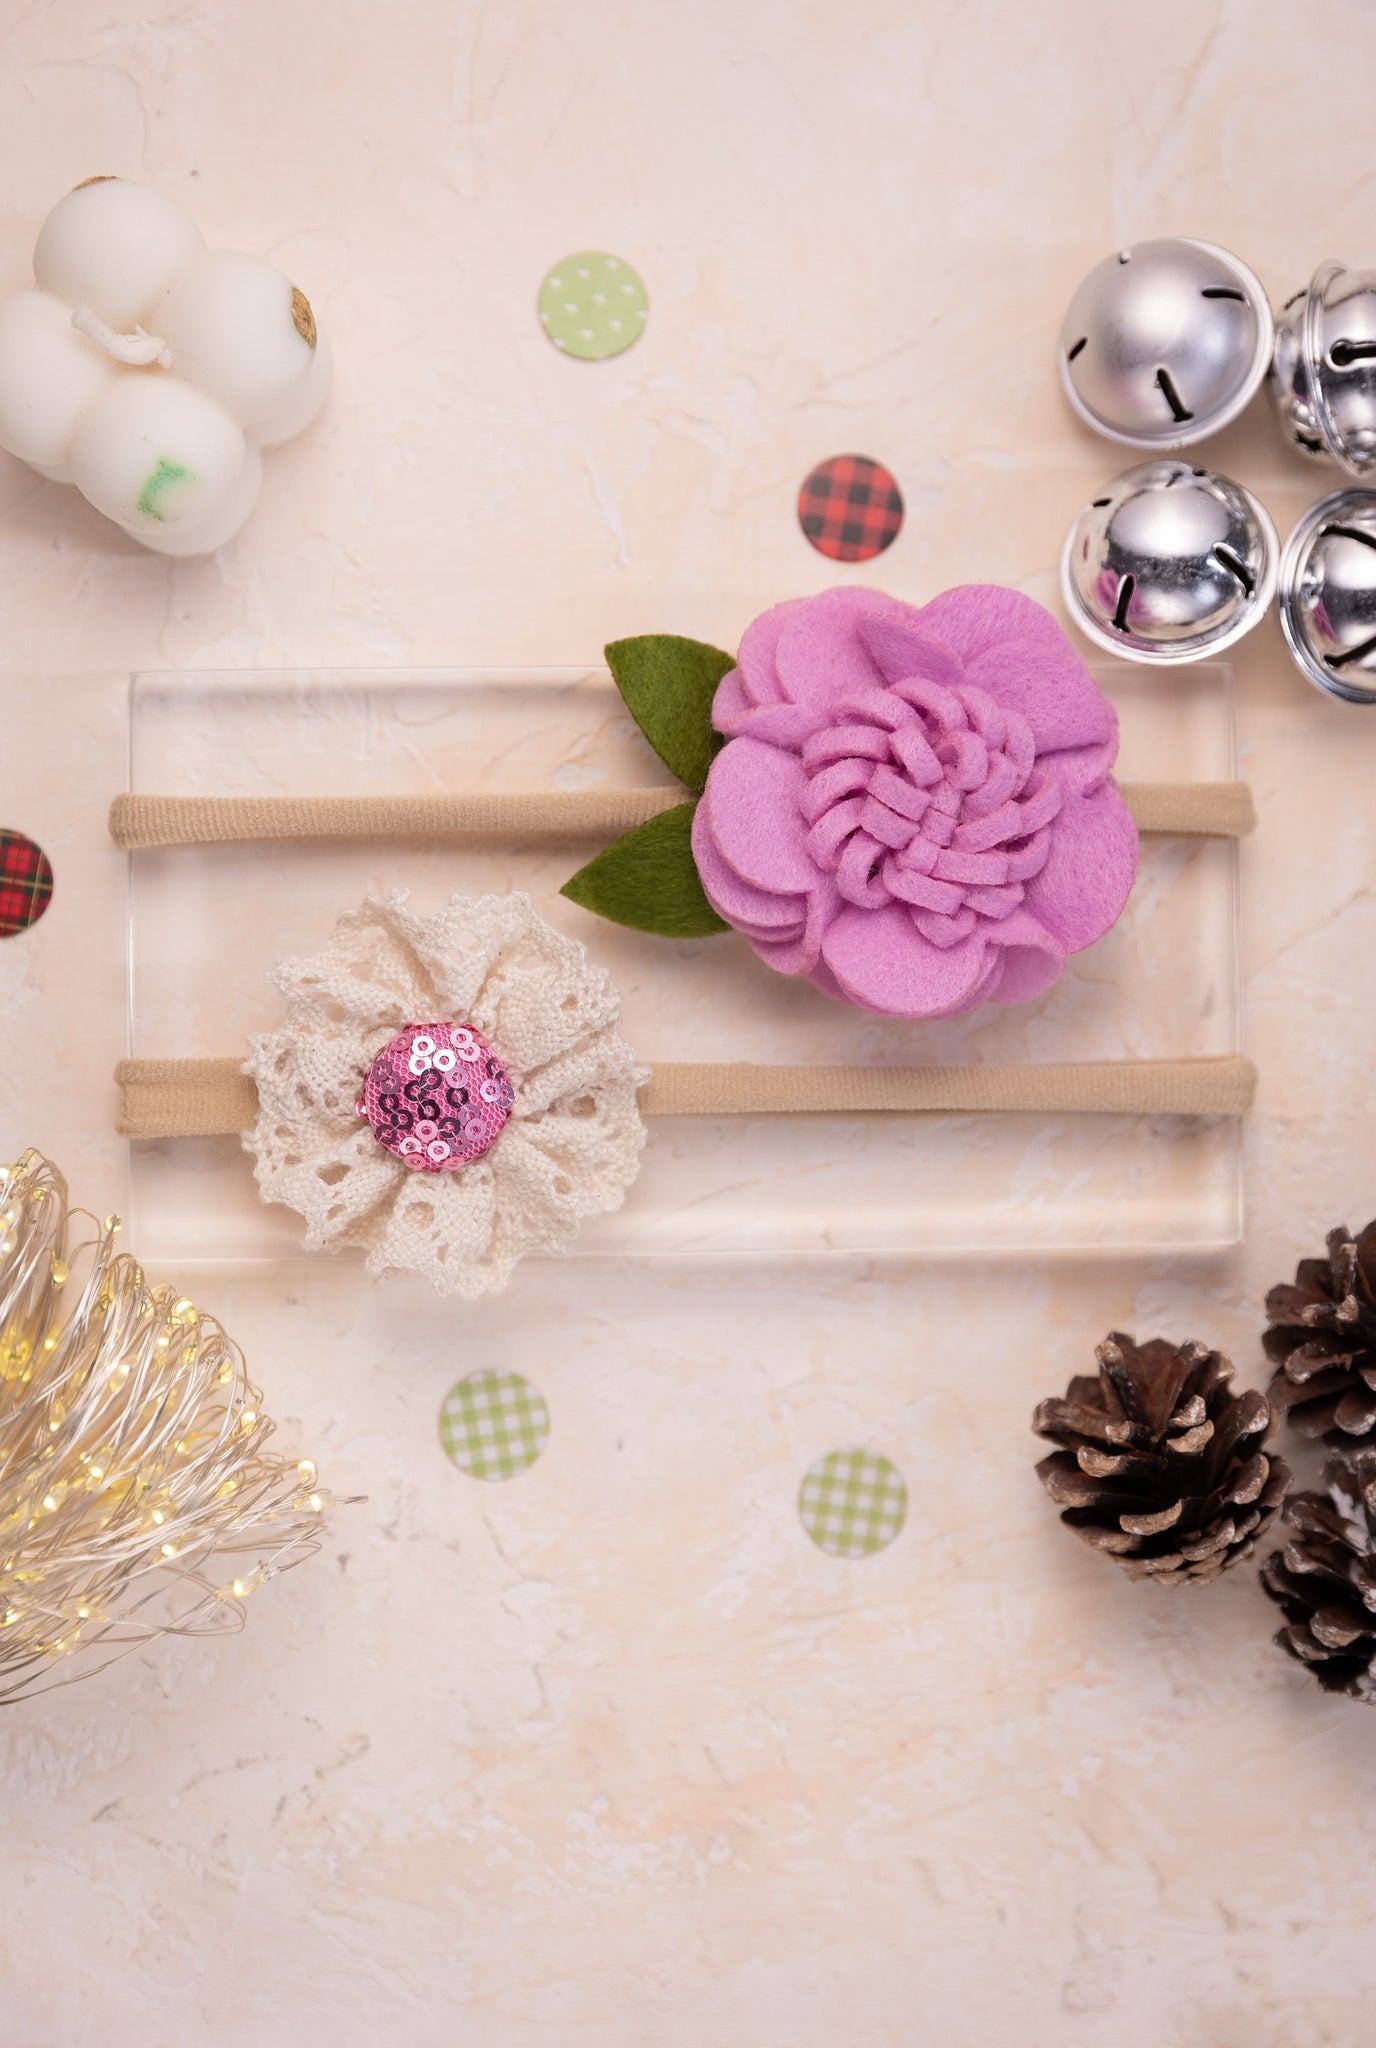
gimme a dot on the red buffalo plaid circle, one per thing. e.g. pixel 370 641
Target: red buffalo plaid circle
pixel 850 508
pixel 26 883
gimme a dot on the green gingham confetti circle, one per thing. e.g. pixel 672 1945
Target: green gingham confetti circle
pixel 853 1503
pixel 593 305
pixel 494 1425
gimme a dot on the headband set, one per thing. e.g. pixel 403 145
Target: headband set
pixel 913 809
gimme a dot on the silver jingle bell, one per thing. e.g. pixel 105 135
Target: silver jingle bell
pixel 1165 343
pixel 1323 372
pixel 1169 564
pixel 1328 595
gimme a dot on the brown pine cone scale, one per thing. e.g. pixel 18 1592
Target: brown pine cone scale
pixel 1324 1580
pixel 1160 1464
pixel 1323 1338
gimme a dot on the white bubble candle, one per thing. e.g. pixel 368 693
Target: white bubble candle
pixel 150 371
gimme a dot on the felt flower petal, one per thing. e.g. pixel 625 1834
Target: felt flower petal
pixel 902 651
pixel 821 656
pixel 759 913
pixel 757 668
pixel 752 810
pixel 1082 770
pixel 1055 693
pixel 975 616
pixel 732 704
pixel 1033 960
pixel 883 963
pixel 800 955
pixel 1080 891
pixel 822 977
pixel 778 725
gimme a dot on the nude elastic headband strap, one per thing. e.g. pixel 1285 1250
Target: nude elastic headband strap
pixel 1206 810
pixel 213 1097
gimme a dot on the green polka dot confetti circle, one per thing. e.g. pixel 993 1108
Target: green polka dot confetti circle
pixel 494 1425
pixel 593 305
pixel 853 1503
pixel 26 883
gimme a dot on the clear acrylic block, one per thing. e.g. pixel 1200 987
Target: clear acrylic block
pixel 205 924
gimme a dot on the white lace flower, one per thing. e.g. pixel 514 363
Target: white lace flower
pixel 569 1148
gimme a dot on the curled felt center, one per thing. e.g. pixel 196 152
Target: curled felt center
pixel 928 795
pixel 436 1096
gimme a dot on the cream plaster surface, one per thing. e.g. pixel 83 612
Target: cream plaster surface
pixel 610 1755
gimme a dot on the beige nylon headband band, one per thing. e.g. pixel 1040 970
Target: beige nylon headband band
pixel 1206 810
pixel 214 1098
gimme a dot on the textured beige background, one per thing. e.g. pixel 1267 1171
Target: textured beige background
pixel 609 1756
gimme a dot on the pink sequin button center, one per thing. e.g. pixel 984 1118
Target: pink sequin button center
pixel 436 1096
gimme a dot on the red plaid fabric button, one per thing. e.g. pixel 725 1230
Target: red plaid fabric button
pixel 26 883
pixel 850 508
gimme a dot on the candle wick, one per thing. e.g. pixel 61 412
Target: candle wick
pixel 137 349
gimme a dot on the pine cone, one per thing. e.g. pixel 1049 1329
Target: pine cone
pixel 1161 1464
pixel 1323 1338
pixel 1325 1578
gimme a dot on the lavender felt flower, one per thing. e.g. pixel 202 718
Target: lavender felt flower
pixel 914 808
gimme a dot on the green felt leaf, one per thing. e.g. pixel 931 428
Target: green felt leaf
pixel 649 880
pixel 668 684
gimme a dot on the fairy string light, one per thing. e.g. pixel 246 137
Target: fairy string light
pixel 137 1495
